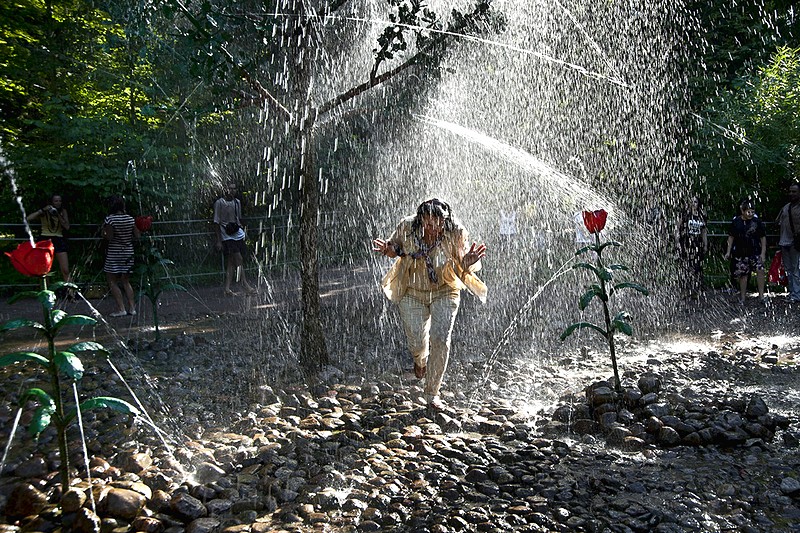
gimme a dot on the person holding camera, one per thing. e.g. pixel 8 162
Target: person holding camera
pixel 55 222
pixel 230 238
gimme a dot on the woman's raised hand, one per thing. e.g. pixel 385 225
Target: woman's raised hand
pixel 476 253
pixel 381 246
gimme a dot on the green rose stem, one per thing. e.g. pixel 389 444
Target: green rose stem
pixel 55 383
pixel 607 316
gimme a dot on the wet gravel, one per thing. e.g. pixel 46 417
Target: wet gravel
pixel 254 445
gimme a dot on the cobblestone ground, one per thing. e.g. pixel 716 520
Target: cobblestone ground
pixel 354 449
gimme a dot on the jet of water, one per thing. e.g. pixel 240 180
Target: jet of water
pixel 4 163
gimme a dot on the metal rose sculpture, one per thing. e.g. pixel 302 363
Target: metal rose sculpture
pixel 143 223
pixel 63 368
pixel 604 289
pixel 33 259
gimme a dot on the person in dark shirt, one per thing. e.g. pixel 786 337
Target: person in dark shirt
pixel 747 245
pixel 691 239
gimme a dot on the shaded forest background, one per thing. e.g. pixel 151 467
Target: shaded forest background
pixel 149 99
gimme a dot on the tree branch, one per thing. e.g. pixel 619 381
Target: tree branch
pixel 367 85
pixel 389 74
pixel 333 6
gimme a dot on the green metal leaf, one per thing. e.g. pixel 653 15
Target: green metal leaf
pixel 70 364
pixel 588 296
pixel 23 295
pixel 634 286
pixel 47 299
pixel 41 419
pixel 37 395
pixel 606 244
pixel 63 284
pixel 76 320
pixel 105 402
pixel 88 346
pixel 17 357
pixel 587 266
pixel 109 402
pixel 18 323
pixel 585 249
pixel 56 316
pixel 623 327
pixel 620 323
pixel 582 325
pixel 618 267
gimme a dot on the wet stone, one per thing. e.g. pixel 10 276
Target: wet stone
pixel 147 524
pixel 187 507
pixel 86 522
pixel 72 500
pixel 601 395
pixel 136 462
pixel 25 500
pixel 668 436
pixel 657 410
pixel 790 486
pixel 35 467
pixel 203 525
pixel 649 383
pixel 585 426
pixel 124 504
pixel 756 407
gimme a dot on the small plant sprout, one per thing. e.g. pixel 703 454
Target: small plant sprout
pixel 604 289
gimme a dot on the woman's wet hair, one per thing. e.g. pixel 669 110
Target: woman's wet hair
pixel 437 208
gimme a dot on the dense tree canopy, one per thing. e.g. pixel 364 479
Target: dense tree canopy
pixel 744 94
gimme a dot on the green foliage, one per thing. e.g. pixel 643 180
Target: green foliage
pixel 743 91
pixel 85 88
pixel 414 16
pixel 59 366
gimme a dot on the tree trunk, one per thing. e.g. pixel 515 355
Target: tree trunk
pixel 313 351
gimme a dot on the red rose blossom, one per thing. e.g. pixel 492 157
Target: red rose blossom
pixel 33 260
pixel 144 223
pixel 595 221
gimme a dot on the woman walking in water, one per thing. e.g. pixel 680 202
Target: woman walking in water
pixel 433 266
